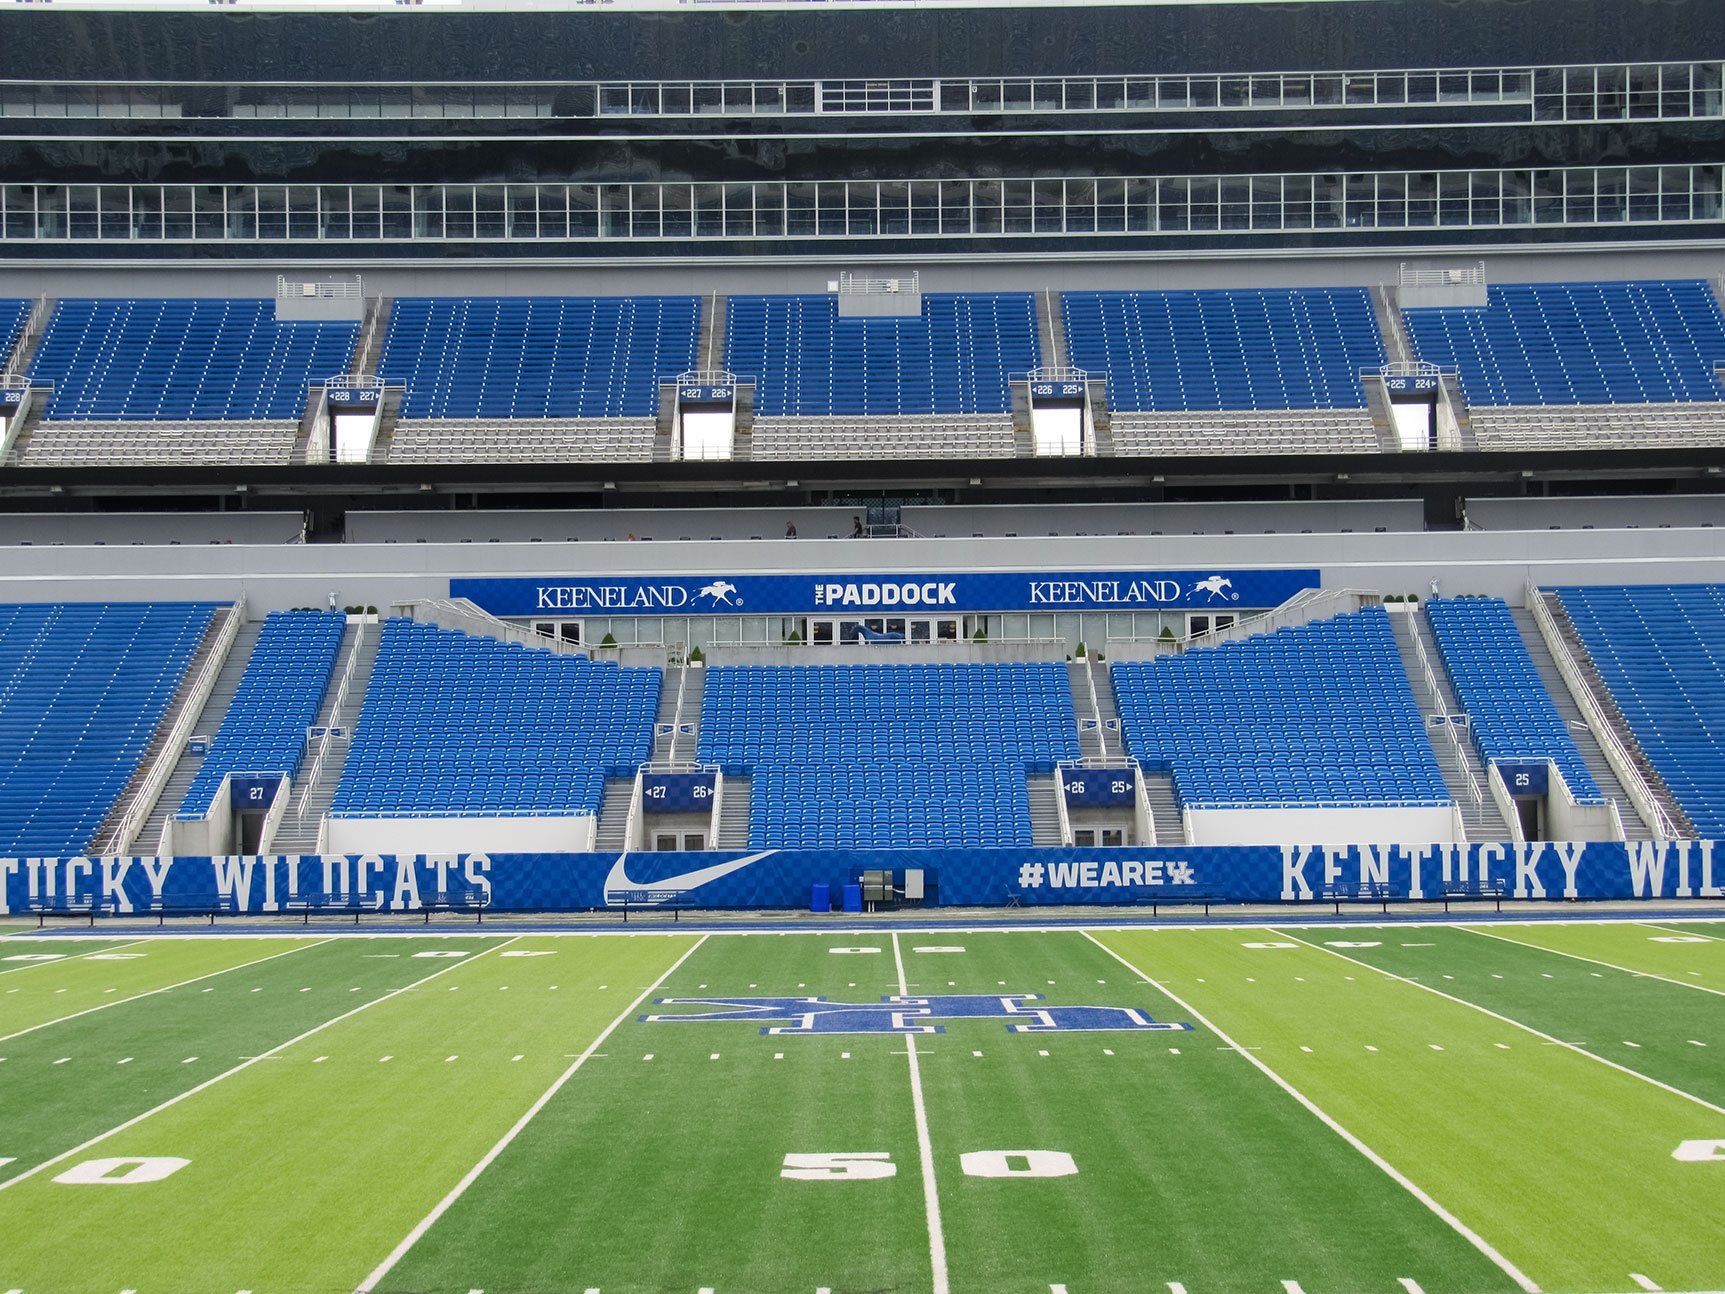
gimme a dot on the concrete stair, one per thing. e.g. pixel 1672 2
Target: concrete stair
pixel 734 813
pixel 611 831
pixel 1164 809
pixel 299 828
pixel 1044 810
pixel 209 721
pixel 1591 752
pixel 1090 741
pixel 1482 821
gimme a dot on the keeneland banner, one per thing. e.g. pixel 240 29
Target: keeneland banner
pixel 781 878
pixel 707 595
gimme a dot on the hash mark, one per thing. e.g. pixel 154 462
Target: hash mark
pixel 125 1061
pixel 1108 1051
pixel 513 1059
pixel 714 1056
pixel 1293 1287
pixel 1694 1043
pixel 384 1059
pixel 1042 1053
pixel 1635 1045
pixel 1642 1281
pixel 648 1056
pixel 188 1060
pixel 318 1060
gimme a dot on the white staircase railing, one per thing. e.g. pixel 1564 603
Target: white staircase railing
pixel 1450 727
pixel 459 613
pixel 1616 754
pixel 327 737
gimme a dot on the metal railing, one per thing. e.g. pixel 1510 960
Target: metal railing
pixel 174 741
pixel 459 613
pixel 328 735
pixel 1457 276
pixel 1303 608
pixel 338 289
pixel 1436 693
pixel 863 285
pixel 1616 754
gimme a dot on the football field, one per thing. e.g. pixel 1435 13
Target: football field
pixel 1411 1109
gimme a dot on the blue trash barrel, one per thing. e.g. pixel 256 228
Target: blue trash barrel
pixel 821 898
pixel 853 898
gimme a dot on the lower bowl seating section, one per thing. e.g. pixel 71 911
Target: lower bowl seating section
pixel 264 730
pixel 1510 712
pixel 888 756
pixel 1661 650
pixel 1186 352
pixel 185 359
pixel 456 725
pixel 1320 713
pixel 1579 343
pixel 953 358
pixel 538 357
pixel 83 688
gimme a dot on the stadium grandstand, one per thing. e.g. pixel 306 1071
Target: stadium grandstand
pixel 614 613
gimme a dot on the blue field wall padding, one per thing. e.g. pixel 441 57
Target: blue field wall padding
pixel 785 879
pixel 1661 650
pixel 185 358
pixel 1510 713
pixel 954 357
pixel 83 687
pixel 456 725
pixel 1320 713
pixel 1196 352
pixel 264 729
pixel 538 357
pixel 1579 343
pixel 854 756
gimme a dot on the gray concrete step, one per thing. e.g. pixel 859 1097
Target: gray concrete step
pixel 1044 810
pixel 734 813
pixel 1164 809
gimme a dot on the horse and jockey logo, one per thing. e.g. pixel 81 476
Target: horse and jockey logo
pixel 722 592
pixel 1219 587
pixel 905 1015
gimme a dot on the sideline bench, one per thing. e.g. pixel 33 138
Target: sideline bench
pixel 319 904
pixel 1474 891
pixel 468 899
pixel 65 906
pixel 161 909
pixel 1368 892
pixel 646 899
pixel 1158 897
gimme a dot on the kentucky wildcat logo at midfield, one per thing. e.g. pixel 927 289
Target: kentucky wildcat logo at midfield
pixel 910 1014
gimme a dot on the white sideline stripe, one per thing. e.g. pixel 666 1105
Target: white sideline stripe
pixel 247 1064
pixel 1461 1228
pixel 1645 1284
pixel 924 1147
pixel 1627 970
pixel 72 957
pixel 1526 1028
pixel 138 997
pixel 442 1206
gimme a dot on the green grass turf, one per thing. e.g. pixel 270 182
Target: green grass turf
pixel 85 979
pixel 307 1167
pixel 1649 1025
pixel 1192 1167
pixel 1559 1161
pixel 66 1083
pixel 1637 946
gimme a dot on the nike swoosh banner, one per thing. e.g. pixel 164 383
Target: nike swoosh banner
pixel 783 878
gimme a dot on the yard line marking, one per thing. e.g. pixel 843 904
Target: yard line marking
pixel 247 1064
pixel 1642 1281
pixel 925 1148
pixel 429 1220
pixel 72 957
pixel 1293 1287
pixel 1528 1028
pixel 136 997
pixel 1409 1284
pixel 1522 943
pixel 1661 926
pixel 1401 1179
pixel 1175 1287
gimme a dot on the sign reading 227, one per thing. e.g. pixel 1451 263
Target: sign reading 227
pixel 900 1015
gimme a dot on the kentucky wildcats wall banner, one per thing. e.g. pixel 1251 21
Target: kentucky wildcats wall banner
pixel 707 595
pixel 782 878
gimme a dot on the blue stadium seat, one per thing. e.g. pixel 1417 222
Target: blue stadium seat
pixel 185 358
pixel 1188 352
pixel 83 687
pixel 538 357
pixel 264 730
pixel 455 725
pixel 955 357
pixel 888 756
pixel 1320 713
pixel 1510 712
pixel 1580 343
pixel 1661 650
pixel 14 314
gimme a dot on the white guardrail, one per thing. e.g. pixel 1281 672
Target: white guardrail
pixel 1450 726
pixel 1634 784
pixel 459 613
pixel 328 735
pixel 174 744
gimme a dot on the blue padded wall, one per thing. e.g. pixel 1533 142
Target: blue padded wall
pixel 458 725
pixel 83 687
pixel 1173 352
pixel 538 357
pixel 1580 343
pixel 953 358
pixel 1318 713
pixel 1661 650
pixel 264 730
pixel 888 755
pixel 185 358
pixel 1509 710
